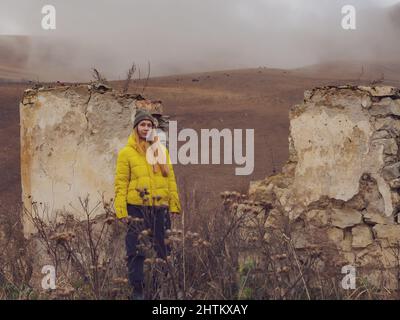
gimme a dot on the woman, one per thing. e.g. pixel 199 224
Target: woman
pixel 146 192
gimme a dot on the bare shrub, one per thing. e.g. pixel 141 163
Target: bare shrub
pixel 98 77
pixel 15 261
pixel 86 253
pixel 128 79
pixel 225 254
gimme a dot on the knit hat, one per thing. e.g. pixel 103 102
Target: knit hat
pixel 143 115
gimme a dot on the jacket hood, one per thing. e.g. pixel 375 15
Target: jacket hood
pixel 132 141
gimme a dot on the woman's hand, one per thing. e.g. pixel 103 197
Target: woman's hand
pixel 125 220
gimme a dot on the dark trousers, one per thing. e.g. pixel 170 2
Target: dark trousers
pixel 157 220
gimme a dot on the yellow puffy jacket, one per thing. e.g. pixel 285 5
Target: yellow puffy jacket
pixel 136 183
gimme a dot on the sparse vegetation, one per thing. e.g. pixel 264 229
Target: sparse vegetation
pixel 98 77
pixel 212 257
pixel 130 78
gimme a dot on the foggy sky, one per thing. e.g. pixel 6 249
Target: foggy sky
pixel 182 36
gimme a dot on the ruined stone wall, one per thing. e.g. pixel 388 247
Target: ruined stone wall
pixel 339 187
pixel 70 138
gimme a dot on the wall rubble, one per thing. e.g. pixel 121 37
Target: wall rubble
pixel 339 190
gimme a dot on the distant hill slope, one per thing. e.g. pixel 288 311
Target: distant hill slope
pixel 353 70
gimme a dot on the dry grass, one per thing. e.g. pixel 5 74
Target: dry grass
pixel 213 257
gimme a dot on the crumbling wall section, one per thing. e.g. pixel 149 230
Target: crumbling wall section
pixel 70 138
pixel 339 188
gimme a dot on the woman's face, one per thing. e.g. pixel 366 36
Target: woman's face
pixel 144 128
